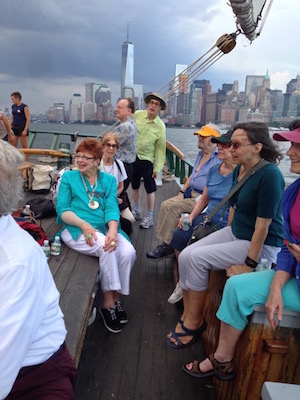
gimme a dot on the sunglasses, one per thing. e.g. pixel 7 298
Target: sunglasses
pixel 224 145
pixel 113 146
pixel 236 145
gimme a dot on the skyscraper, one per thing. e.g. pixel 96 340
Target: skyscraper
pixel 127 67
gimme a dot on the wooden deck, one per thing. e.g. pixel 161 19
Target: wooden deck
pixel 137 363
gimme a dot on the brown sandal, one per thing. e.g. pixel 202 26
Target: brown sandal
pixel 221 370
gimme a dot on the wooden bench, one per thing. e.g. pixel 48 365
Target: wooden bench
pixel 75 276
pixel 262 354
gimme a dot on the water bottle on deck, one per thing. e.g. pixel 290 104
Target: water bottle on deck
pixel 46 248
pixel 56 246
pixel 26 212
pixel 263 265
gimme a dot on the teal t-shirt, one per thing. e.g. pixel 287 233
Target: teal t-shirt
pixel 260 196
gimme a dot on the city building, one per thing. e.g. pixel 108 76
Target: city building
pixel 88 111
pixel 90 91
pixel 56 113
pixel 127 68
pixel 252 83
pixel 138 96
pixel 75 107
pixel 293 85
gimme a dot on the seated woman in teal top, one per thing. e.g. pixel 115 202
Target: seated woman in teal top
pixel 87 206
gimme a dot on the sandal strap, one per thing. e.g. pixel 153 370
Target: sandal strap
pixel 194 332
pixel 222 368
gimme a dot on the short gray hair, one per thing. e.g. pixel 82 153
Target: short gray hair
pixel 214 127
pixel 11 181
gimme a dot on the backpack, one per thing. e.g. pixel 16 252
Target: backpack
pixel 35 230
pixel 40 179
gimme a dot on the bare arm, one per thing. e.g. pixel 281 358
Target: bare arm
pixel 70 218
pixel 201 204
pixel 27 116
pixel 120 188
pixel 258 238
pixel 230 216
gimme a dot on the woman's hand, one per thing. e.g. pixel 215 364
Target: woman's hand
pixel 89 233
pixel 295 250
pixel 274 303
pixel 111 239
pixel 180 221
pixel 238 269
pixel 120 201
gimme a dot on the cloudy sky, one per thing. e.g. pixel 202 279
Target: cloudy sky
pixel 51 48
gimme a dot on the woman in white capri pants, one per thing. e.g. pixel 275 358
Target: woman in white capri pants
pixel 87 205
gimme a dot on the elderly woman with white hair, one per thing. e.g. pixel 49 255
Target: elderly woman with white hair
pixel 31 318
pixel 184 202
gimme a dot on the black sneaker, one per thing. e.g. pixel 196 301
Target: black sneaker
pixel 160 252
pixel 110 319
pixel 121 314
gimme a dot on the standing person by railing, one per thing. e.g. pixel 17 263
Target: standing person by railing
pixel 20 120
pixel 151 150
pixel 126 131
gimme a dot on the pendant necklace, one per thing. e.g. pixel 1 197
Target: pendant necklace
pixel 92 204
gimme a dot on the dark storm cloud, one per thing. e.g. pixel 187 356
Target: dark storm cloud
pixel 59 38
pixel 51 48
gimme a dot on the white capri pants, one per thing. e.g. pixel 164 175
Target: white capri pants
pixel 114 267
pixel 217 251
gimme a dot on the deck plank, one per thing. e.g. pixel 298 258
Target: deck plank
pixel 137 363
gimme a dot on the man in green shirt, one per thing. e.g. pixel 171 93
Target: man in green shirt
pixel 151 149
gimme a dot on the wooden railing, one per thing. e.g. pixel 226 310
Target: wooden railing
pixel 176 162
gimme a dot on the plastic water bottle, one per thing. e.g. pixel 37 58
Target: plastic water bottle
pixel 185 222
pixel 263 265
pixel 56 246
pixel 46 248
pixel 26 211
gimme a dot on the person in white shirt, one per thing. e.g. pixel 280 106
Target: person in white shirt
pixel 35 363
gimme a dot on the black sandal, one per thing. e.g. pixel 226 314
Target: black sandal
pixel 221 370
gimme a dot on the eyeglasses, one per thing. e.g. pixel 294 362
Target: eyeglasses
pixel 84 158
pixel 113 146
pixel 236 145
pixel 154 103
pixel 224 145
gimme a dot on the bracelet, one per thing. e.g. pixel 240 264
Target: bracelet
pixel 251 263
pixel 181 191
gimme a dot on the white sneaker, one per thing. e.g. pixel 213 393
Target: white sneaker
pixel 176 295
pixel 146 223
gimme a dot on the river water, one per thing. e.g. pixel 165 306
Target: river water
pixel 182 138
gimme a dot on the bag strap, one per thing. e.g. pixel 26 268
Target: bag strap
pixel 251 172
